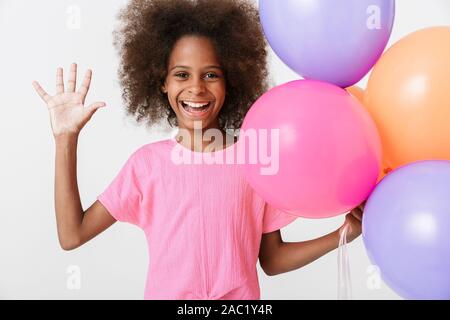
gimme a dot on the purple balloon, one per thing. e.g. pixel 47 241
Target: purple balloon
pixel 406 229
pixel 328 40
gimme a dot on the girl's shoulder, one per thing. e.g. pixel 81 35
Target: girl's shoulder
pixel 154 148
pixel 158 145
pixel 148 156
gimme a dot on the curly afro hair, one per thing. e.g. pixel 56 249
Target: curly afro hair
pixel 147 33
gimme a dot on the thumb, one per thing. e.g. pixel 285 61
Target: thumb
pixel 93 107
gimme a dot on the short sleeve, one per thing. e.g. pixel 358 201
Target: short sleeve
pixel 275 219
pixel 124 196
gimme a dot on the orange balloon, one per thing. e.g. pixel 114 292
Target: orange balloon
pixel 357 92
pixel 408 97
pixel 385 170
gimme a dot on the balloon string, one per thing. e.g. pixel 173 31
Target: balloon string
pixel 344 279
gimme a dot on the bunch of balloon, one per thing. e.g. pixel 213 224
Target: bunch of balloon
pixel 407 217
pixel 328 147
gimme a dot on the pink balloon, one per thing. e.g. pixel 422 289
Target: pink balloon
pixel 329 152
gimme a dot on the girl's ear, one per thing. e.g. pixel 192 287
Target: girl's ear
pixel 163 88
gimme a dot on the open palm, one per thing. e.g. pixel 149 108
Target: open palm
pixel 68 115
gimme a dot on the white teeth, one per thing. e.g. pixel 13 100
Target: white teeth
pixel 195 105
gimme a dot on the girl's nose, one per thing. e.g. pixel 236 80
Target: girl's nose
pixel 197 87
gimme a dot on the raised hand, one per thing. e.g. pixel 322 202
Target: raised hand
pixel 68 115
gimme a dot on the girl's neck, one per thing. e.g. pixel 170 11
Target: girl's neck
pixel 198 142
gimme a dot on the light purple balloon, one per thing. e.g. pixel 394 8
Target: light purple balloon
pixel 328 40
pixel 406 229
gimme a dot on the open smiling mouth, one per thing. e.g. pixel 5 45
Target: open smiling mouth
pixel 195 108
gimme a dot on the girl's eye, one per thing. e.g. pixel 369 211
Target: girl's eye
pixel 181 75
pixel 211 75
pixel 184 75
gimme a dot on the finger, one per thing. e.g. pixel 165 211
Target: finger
pixel 357 214
pixel 86 84
pixel 93 107
pixel 363 205
pixel 44 95
pixel 59 81
pixel 71 84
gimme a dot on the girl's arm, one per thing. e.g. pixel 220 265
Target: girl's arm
pixel 75 226
pixel 278 257
pixel 68 115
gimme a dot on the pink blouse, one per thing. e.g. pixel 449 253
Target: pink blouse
pixel 203 222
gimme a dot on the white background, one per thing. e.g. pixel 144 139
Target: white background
pixel 35 38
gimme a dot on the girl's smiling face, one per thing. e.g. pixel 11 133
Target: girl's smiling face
pixel 195 82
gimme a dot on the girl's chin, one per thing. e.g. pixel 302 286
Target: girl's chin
pixel 192 124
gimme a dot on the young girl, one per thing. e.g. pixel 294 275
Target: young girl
pixel 197 63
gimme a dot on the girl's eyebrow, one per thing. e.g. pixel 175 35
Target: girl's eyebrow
pixel 207 67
